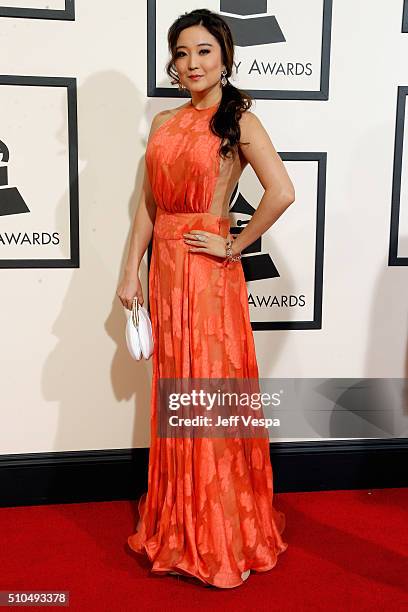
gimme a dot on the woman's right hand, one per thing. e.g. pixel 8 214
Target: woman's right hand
pixel 128 289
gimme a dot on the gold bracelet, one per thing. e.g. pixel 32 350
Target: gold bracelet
pixel 228 252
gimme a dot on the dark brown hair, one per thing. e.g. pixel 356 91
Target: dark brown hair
pixel 225 122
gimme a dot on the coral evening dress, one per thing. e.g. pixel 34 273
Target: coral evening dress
pixel 208 511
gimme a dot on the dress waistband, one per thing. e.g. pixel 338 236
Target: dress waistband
pixel 172 225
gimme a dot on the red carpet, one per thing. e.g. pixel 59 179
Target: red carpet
pixel 347 551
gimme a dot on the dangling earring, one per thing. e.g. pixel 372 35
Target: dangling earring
pixel 179 83
pixel 223 78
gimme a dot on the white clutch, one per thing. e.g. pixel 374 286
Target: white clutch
pixel 139 333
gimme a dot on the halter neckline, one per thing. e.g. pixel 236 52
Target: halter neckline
pixel 204 109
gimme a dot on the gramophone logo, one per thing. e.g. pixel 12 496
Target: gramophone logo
pixel 284 266
pixel 39 207
pixel 11 201
pixel 259 29
pixel 282 49
pixel 256 265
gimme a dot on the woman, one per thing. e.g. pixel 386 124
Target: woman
pixel 208 510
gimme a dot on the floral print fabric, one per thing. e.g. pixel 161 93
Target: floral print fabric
pixel 208 511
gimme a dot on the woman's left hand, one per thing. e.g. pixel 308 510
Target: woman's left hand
pixel 201 241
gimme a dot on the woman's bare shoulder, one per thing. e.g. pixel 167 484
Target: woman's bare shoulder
pixel 162 116
pixel 249 123
pixel 253 132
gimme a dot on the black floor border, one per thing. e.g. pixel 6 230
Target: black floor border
pixel 121 474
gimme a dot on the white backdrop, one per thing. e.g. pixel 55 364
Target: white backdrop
pixel 67 381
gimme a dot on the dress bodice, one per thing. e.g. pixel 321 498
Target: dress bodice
pixel 185 171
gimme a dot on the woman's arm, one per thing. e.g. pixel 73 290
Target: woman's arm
pixel 142 230
pixel 268 166
pixel 143 223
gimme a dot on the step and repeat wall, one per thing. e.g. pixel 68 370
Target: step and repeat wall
pixel 327 283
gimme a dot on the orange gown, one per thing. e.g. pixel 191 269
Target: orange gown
pixel 208 511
